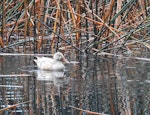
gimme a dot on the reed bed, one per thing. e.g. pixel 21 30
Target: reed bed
pixel 46 26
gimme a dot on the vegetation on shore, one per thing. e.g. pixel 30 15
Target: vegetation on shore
pixel 43 26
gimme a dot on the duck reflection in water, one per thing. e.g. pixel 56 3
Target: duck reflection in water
pixel 52 79
pixel 49 75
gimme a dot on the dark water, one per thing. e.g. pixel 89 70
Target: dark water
pixel 110 86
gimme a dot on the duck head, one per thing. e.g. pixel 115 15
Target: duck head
pixel 58 56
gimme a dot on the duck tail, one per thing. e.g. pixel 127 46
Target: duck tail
pixel 35 59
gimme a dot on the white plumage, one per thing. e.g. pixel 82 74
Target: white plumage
pixel 54 63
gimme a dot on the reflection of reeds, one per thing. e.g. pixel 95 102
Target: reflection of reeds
pixel 100 24
pixel 14 89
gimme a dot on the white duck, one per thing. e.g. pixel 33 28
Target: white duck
pixel 45 63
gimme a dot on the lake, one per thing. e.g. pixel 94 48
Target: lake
pixel 98 85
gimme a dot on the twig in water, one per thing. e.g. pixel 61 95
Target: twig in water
pixel 13 106
pixel 87 111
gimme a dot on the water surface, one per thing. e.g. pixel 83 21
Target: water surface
pixel 108 85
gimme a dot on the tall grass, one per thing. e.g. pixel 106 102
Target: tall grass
pixel 44 26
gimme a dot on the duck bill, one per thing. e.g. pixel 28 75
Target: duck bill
pixel 65 60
